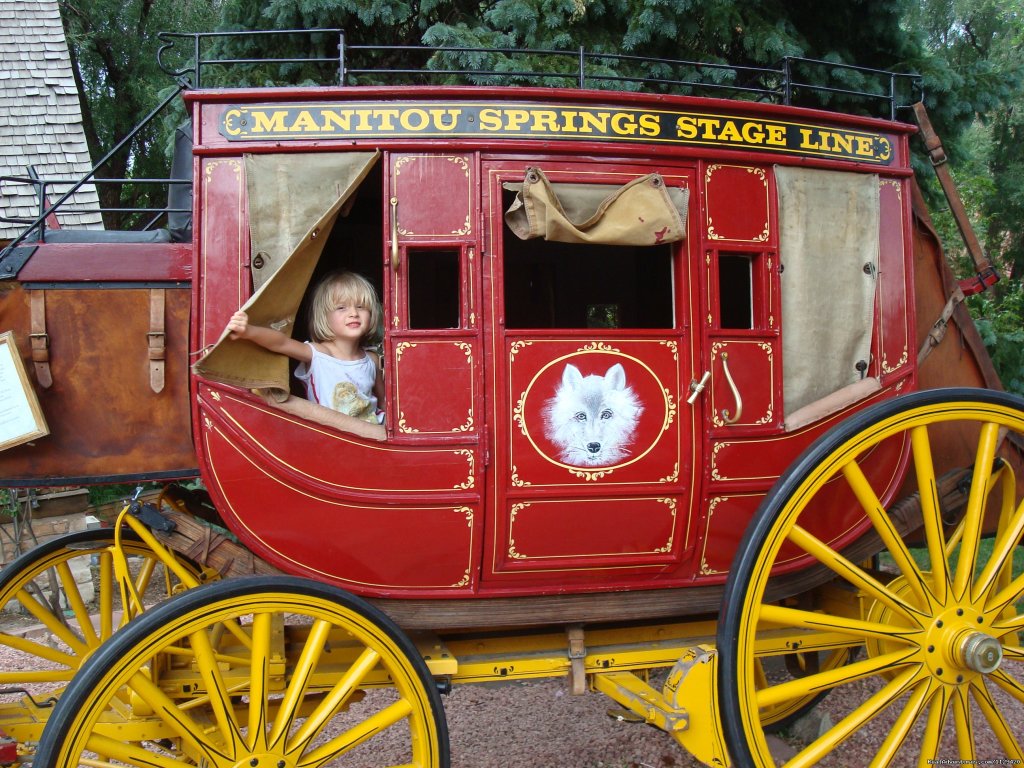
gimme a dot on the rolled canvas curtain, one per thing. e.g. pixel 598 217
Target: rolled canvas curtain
pixel 828 231
pixel 276 301
pixel 643 212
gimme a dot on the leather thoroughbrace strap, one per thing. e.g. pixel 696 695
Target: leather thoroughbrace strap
pixel 986 274
pixel 157 339
pixel 39 340
pixel 938 331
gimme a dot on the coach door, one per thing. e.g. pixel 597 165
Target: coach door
pixel 587 285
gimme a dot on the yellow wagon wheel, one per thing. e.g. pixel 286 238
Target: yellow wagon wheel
pixel 266 672
pixel 940 675
pixel 61 600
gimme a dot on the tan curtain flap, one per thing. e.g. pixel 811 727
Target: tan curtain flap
pixel 277 300
pixel 643 212
pixel 828 246
pixel 288 194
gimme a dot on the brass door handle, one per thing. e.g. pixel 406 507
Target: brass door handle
pixel 394 233
pixel 735 393
pixel 696 387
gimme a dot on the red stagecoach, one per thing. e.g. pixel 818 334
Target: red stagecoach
pixel 665 388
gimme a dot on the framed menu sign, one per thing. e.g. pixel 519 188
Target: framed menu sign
pixel 21 418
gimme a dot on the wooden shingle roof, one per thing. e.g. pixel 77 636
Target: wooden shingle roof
pixel 40 116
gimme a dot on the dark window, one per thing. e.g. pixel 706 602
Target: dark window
pixel 433 288
pixel 562 285
pixel 735 291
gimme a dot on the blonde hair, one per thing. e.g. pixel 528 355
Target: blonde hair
pixel 343 287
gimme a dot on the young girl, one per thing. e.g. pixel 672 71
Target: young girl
pixel 337 369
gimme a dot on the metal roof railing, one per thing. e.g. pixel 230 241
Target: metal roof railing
pixel 794 81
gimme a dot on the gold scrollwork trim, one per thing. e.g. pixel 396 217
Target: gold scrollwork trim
pixel 470 480
pixel 511 541
pixel 706 569
pixel 667 547
pixel 887 368
pixel 518 346
pixel 672 477
pixel 212 165
pixel 517 481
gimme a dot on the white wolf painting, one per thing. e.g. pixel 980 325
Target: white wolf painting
pixel 592 419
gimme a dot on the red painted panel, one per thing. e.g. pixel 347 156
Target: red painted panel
pixel 373 549
pixel 736 203
pixel 434 387
pixel 574 534
pixel 759 460
pixel 434 196
pixel 833 515
pixel 114 262
pixel 753 366
pixel 324 460
pixel 222 234
pixel 893 334
pixel 726 520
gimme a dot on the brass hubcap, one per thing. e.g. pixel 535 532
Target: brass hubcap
pixel 981 652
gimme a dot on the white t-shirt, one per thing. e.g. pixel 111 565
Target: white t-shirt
pixel 344 385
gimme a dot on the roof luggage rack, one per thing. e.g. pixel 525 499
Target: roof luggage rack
pixel 795 81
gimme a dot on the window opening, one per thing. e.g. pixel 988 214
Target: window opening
pixel 735 291
pixel 566 285
pixel 433 289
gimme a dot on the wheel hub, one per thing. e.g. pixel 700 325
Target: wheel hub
pixel 954 644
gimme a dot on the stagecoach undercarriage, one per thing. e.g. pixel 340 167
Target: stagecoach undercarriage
pixel 266 666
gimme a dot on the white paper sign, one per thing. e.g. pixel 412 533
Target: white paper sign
pixel 21 418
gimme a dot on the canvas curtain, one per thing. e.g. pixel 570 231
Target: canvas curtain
pixel 643 212
pixel 282 194
pixel 828 222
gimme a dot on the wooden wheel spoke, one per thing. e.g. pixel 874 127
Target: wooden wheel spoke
pixel 867 711
pixel 305 665
pixel 219 696
pixel 962 725
pixel 972 523
pixel 909 715
pixel 851 572
pixel 39 650
pixel 883 525
pixel 931 511
pixel 144 576
pixel 831 678
pixel 77 604
pixel 1009 684
pixel 177 718
pixel 996 721
pixel 935 727
pixel 1006 597
pixel 794 617
pixel 334 699
pixel 106 594
pixel 259 689
pixel 128 752
pixel 352 738
pixel 55 624
pixel 1002 555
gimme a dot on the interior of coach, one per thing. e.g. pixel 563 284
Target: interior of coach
pixel 571 285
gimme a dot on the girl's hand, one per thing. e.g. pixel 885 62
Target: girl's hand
pixel 238 325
